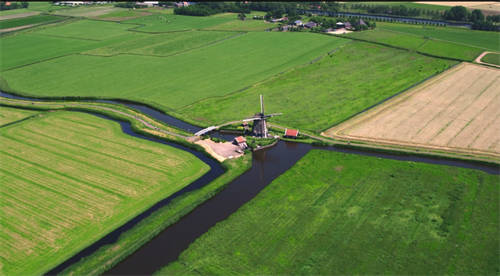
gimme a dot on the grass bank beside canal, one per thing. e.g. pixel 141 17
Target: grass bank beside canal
pixel 357 215
pixel 109 255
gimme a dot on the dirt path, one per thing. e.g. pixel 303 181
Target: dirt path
pixel 19 15
pixel 478 59
pixel 16 28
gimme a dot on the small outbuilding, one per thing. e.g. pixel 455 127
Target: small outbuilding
pixel 241 142
pixel 298 23
pixel 291 133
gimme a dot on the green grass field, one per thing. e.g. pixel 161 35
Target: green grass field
pixel 87 30
pixel 35 19
pixel 9 115
pixel 492 58
pixel 162 44
pixel 171 22
pixel 70 178
pixel 446 42
pixel 359 216
pixel 317 96
pixel 174 81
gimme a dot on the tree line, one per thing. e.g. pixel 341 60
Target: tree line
pixel 13 5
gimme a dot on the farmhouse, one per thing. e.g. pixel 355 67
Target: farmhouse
pixel 291 133
pixel 348 26
pixel 181 4
pixel 340 25
pixel 241 141
pixel 298 23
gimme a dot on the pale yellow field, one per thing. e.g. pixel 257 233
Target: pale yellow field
pixel 457 111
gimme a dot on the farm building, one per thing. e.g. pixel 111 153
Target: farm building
pixel 298 23
pixel 310 24
pixel 348 26
pixel 241 142
pixel 147 3
pixel 291 133
pixel 340 25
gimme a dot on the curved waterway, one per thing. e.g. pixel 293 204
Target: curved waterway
pixel 267 164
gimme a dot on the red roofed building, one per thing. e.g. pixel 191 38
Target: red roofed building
pixel 241 141
pixel 291 133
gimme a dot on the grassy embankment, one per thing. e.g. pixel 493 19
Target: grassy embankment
pixel 30 20
pixel 492 58
pixel 77 178
pixel 355 77
pixel 358 215
pixel 448 42
pixel 221 68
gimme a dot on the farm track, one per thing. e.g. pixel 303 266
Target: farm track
pixel 478 59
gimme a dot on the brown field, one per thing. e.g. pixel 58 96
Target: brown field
pixel 489 7
pixel 457 111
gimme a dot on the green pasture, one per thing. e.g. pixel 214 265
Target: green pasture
pixel 34 6
pixel 358 215
pixel 18 49
pixel 174 81
pixel 466 37
pixel 35 19
pixel 9 115
pixel 423 43
pixel 247 25
pixel 171 22
pixel 317 96
pixel 162 44
pixel 492 58
pixel 87 11
pixel 87 30
pixel 122 14
pixel 70 178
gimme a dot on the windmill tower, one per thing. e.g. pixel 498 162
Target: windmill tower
pixel 259 125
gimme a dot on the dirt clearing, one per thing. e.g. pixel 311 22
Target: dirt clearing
pixel 457 111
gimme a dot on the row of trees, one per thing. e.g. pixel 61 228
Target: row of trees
pixel 13 5
pixel 210 8
pixel 476 17
pixel 400 10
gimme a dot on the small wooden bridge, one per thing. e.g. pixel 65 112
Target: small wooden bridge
pixel 205 130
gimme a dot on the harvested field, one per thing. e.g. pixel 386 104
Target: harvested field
pixel 69 178
pixel 457 111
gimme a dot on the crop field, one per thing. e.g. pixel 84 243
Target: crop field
pixel 422 43
pixel 358 215
pixel 69 178
pixel 87 11
pixel 458 111
pixel 492 58
pixel 317 96
pixel 36 19
pixel 122 14
pixel 9 115
pixel 216 70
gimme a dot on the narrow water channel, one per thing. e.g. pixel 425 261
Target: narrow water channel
pixel 266 166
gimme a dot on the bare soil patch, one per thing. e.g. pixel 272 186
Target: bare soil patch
pixel 457 111
pixel 221 151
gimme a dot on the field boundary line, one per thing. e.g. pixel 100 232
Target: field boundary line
pixel 64 18
pixel 162 56
pixel 21 120
pixel 264 80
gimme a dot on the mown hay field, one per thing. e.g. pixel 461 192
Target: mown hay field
pixel 69 178
pixel 317 96
pixel 459 111
pixel 358 215
pixel 440 41
pixel 172 82
pixel 9 115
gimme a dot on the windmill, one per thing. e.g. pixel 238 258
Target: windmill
pixel 259 121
